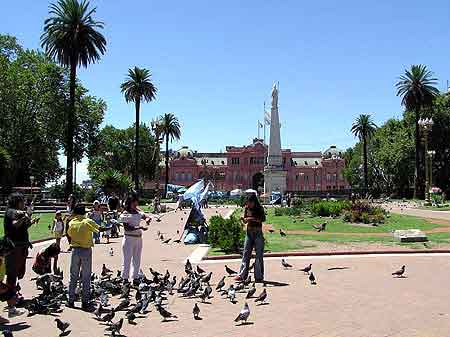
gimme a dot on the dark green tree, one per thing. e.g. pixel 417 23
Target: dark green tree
pixel 363 128
pixel 138 87
pixel 417 88
pixel 71 36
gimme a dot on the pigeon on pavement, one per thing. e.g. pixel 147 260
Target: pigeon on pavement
pixel 230 271
pixel 400 272
pixel 244 314
pixel 283 234
pixel 61 325
pixel 196 311
pixel 312 278
pixel 262 297
pixel 307 269
pixel 251 291
pixel 164 313
pixel 221 284
pixel 285 264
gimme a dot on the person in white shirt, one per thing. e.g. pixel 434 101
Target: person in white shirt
pixel 132 240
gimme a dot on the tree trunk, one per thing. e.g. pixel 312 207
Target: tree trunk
pixel 136 148
pixel 167 166
pixel 416 155
pixel 70 130
pixel 366 171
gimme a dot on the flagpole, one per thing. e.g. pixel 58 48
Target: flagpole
pixel 264 122
pixel 258 128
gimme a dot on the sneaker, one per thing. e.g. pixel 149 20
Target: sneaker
pixel 238 279
pixel 4 320
pixel 14 312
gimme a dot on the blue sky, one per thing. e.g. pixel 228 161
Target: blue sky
pixel 214 62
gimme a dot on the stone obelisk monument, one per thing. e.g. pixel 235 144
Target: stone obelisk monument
pixel 274 173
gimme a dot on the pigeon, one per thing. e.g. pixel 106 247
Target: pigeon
pixel 230 271
pixel 7 333
pixel 98 311
pixel 164 313
pixel 61 325
pixel 200 270
pixel 307 269
pixel 196 311
pixel 188 267
pixel 131 317
pixel 231 294
pixel 167 241
pixel 251 291
pixel 400 272
pixel 207 278
pixel 285 264
pixel 122 305
pixel 177 241
pixel 105 270
pixel 115 327
pixel 206 293
pixel 321 227
pixel 283 234
pixel 221 284
pixel 109 317
pixel 244 314
pixel 271 231
pixel 312 278
pixel 262 297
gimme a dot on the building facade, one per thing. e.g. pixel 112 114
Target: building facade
pixel 243 167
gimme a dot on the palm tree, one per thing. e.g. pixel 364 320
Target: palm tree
pixel 170 130
pixel 417 87
pixel 71 36
pixel 363 127
pixel 136 88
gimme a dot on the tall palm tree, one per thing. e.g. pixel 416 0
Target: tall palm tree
pixel 71 36
pixel 417 87
pixel 138 87
pixel 363 127
pixel 170 130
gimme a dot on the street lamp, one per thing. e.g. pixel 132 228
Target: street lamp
pixel 426 125
pixel 431 154
pixel 31 186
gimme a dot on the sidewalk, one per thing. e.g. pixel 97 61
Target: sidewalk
pixel 363 300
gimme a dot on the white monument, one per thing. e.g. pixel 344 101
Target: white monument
pixel 274 173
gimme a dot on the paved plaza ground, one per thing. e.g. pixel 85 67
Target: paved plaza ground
pixel 363 300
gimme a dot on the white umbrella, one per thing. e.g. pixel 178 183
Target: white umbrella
pixel 250 190
pixel 236 192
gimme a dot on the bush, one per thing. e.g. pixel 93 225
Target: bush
pixel 226 234
pixel 363 211
pixel 329 208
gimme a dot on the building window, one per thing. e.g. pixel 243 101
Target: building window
pixel 235 161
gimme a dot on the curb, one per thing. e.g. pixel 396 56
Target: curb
pixel 338 253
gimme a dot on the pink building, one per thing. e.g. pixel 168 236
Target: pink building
pixel 243 167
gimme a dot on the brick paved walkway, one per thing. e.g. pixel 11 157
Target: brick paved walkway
pixel 363 300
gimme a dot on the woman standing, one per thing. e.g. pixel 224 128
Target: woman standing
pixel 254 216
pixel 132 239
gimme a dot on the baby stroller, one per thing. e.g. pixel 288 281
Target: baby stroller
pixel 113 223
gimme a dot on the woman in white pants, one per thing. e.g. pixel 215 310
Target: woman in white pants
pixel 132 239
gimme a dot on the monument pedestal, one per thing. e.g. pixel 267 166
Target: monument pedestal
pixel 274 181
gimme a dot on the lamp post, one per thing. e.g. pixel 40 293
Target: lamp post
pixel 31 186
pixel 431 154
pixel 426 125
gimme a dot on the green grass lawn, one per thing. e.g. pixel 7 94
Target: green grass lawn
pixel 40 230
pixel 395 221
pixel 295 242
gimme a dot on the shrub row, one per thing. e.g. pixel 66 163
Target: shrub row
pixel 226 234
pixel 329 208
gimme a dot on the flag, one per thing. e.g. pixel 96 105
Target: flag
pixel 267 118
pixel 194 191
pixel 204 194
